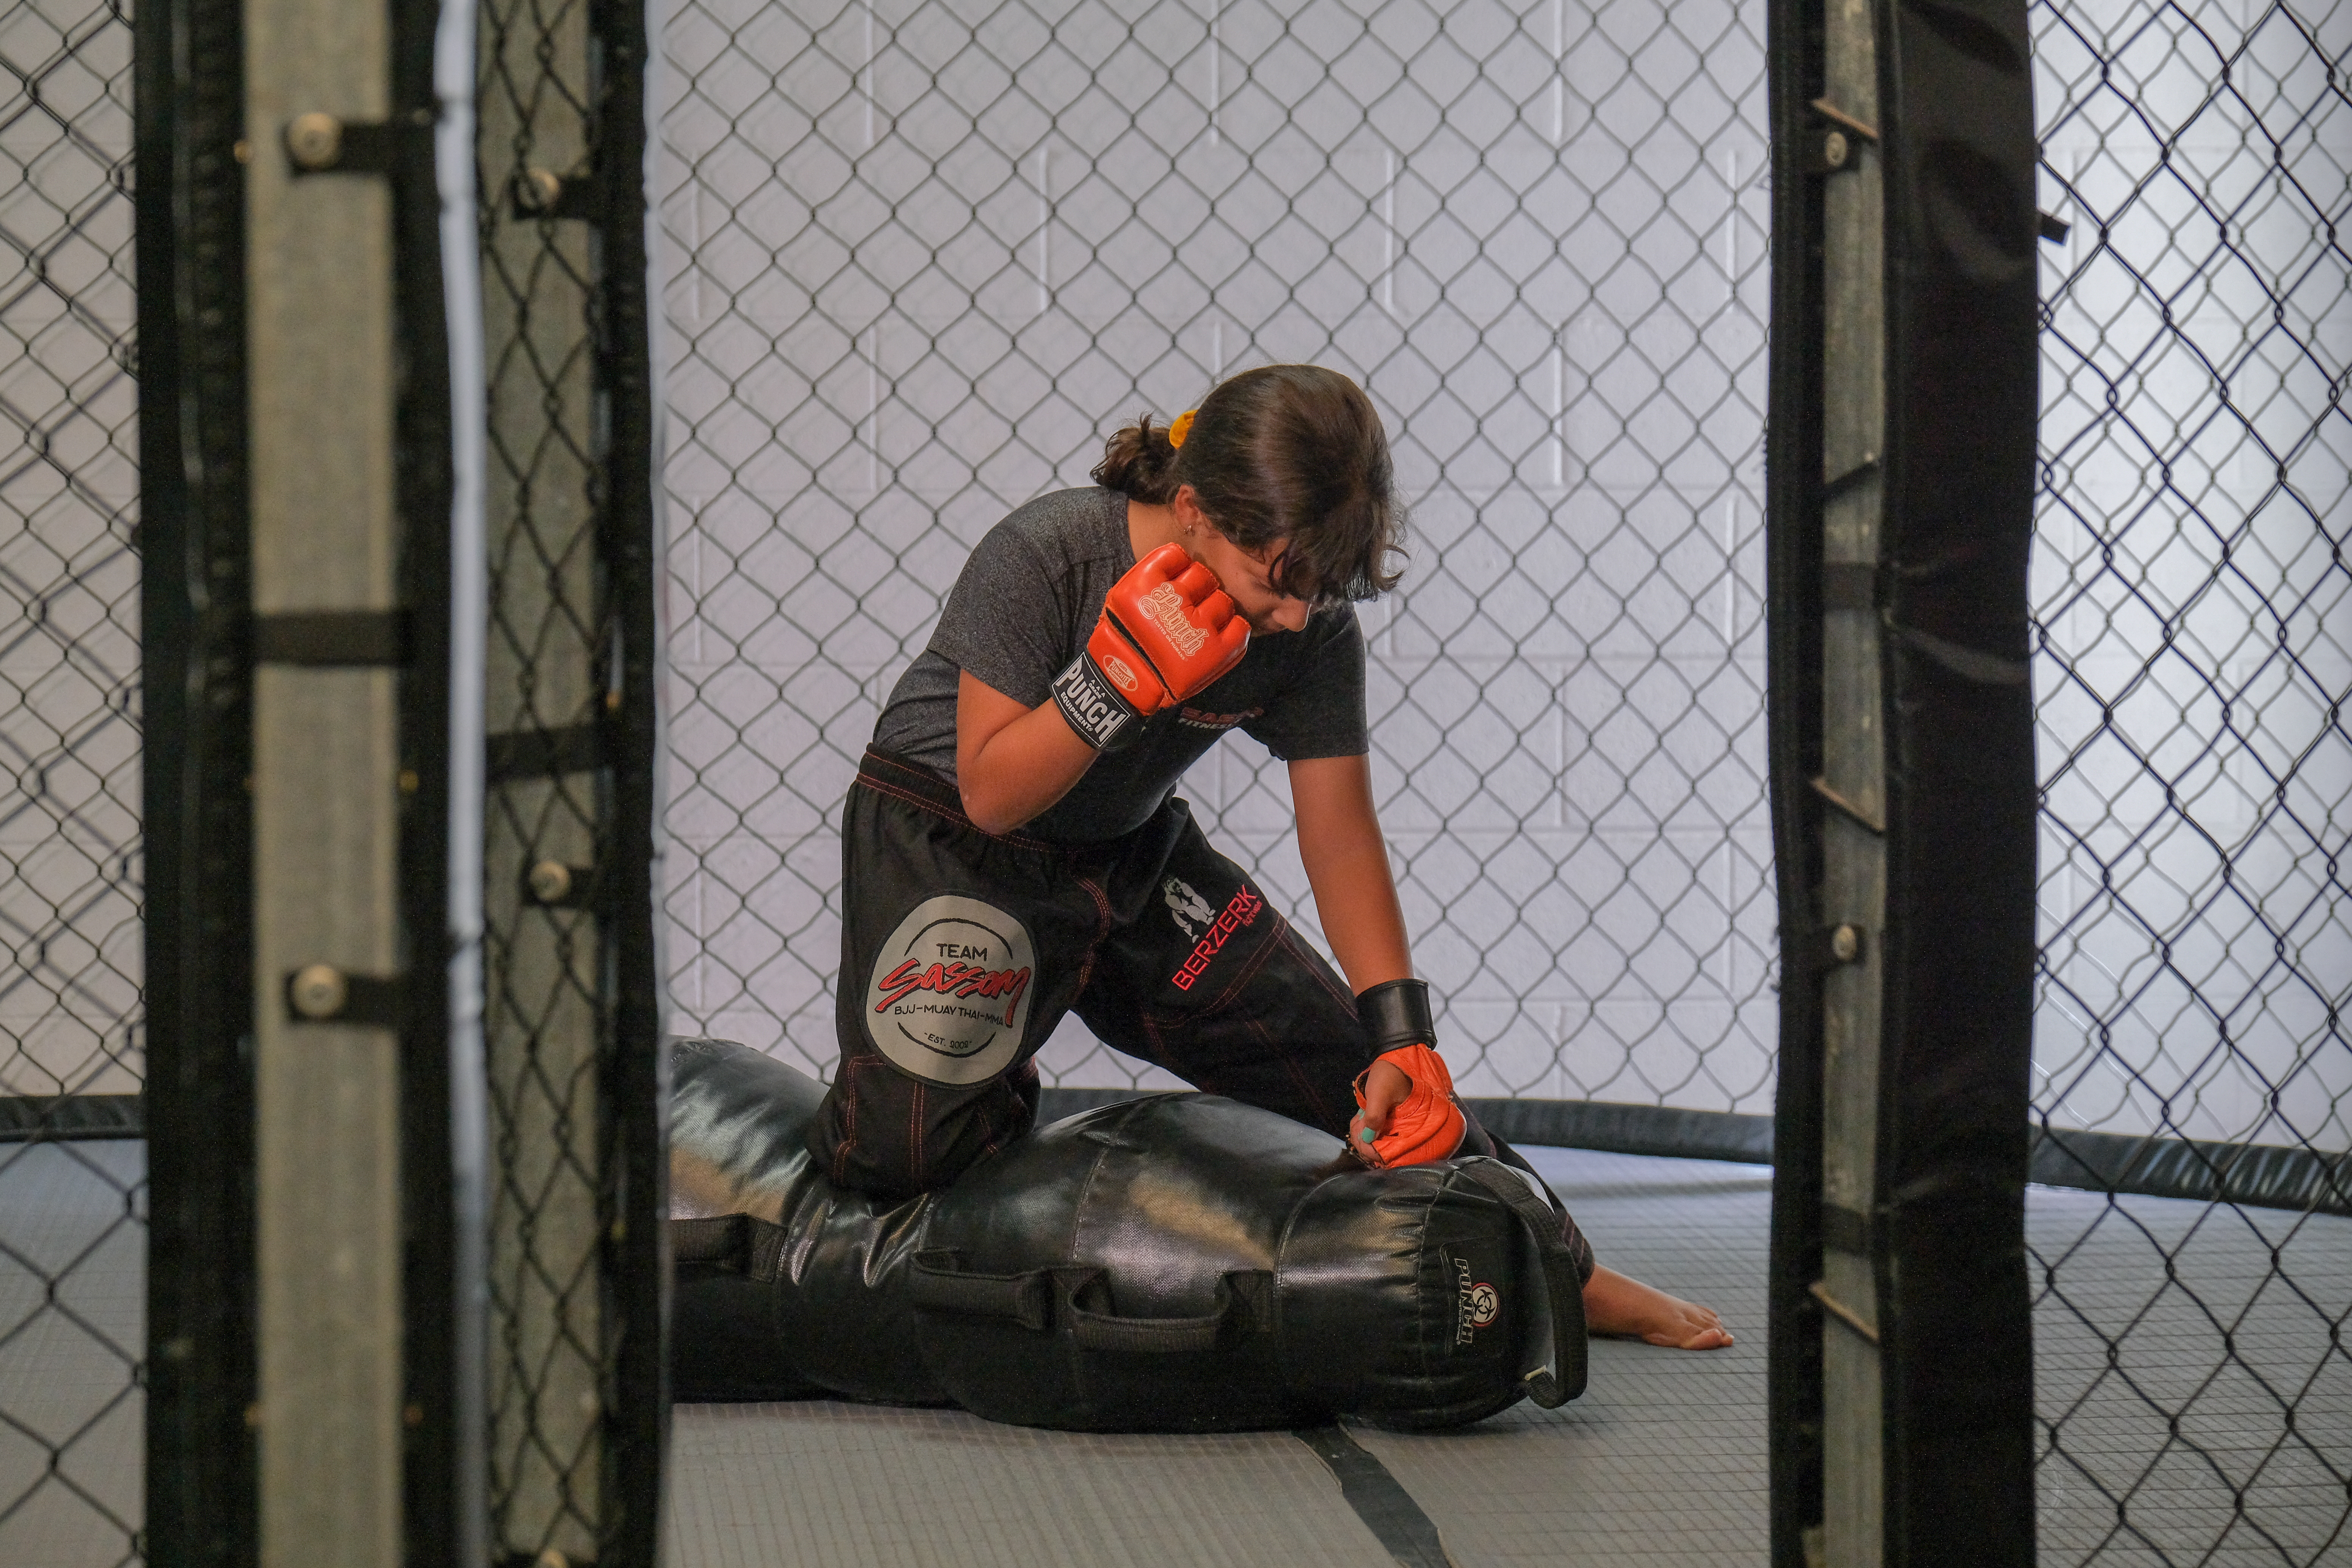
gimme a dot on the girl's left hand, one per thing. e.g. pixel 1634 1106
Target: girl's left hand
pixel 1385 1088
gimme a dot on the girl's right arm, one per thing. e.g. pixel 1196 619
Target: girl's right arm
pixel 1013 762
pixel 1174 631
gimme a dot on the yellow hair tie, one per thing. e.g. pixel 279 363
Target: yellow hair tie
pixel 1179 427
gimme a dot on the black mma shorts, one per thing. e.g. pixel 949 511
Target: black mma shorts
pixel 961 952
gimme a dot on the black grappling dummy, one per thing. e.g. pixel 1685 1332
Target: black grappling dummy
pixel 1014 848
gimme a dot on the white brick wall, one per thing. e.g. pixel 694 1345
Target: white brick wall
pixel 923 257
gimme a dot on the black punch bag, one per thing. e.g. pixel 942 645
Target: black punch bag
pixel 747 1321
pixel 1178 1262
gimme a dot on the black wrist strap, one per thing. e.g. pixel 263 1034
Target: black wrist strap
pixel 1397 1013
pixel 1092 704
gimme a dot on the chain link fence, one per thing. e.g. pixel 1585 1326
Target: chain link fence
pixel 576 1404
pixel 546 1018
pixel 2194 658
pixel 925 257
pixel 72 1214
pixel 69 571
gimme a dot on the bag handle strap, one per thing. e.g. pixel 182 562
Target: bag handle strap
pixel 939 1282
pixel 1244 1304
pixel 714 1240
pixel 1556 1349
pixel 739 1243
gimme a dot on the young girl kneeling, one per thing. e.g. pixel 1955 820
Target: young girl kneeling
pixel 1014 848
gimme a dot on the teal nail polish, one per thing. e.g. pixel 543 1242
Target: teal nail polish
pixel 1367 1135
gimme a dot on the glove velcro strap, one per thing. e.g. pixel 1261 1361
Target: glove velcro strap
pixel 1397 1013
pixel 1092 704
pixel 1140 647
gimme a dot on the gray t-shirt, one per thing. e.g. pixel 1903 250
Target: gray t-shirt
pixel 1023 607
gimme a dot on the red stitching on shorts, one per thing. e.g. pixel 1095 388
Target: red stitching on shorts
pixel 1297 1076
pixel 849 1097
pixel 915 1135
pixel 1150 1027
pixel 1248 971
pixel 1102 929
pixel 924 803
pixel 1320 972
pixel 919 801
pixel 997 1135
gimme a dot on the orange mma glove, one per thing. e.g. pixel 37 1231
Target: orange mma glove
pixel 1166 631
pixel 1426 1124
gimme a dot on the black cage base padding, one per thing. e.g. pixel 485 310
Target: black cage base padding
pixel 62 1118
pixel 1957 956
pixel 2256 1175
pixel 1664 1131
pixel 1174 1263
pixel 1610 1127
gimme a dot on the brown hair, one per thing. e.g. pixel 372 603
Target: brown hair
pixel 1289 454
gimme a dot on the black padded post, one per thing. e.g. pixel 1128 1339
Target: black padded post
pixel 1793 483
pixel 1903 779
pixel 216 804
pixel 439 1380
pixel 197 563
pixel 637 1088
pixel 1961 405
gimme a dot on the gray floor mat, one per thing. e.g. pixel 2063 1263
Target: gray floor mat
pixel 1663 1460
pixel 2188 1427
pixel 73 1325
pixel 826 1485
pixel 2170 1340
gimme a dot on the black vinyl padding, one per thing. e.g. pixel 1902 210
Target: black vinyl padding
pixel 1963 354
pixel 2260 1175
pixel 1180 1262
pixel 1957 456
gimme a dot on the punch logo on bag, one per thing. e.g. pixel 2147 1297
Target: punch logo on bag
pixel 1477 1302
pixel 947 998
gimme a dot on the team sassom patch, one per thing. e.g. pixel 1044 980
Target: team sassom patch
pixel 948 997
pixel 952 977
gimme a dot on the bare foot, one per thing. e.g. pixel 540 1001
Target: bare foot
pixel 1616 1305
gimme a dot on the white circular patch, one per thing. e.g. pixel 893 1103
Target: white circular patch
pixel 948 996
pixel 1486 1305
